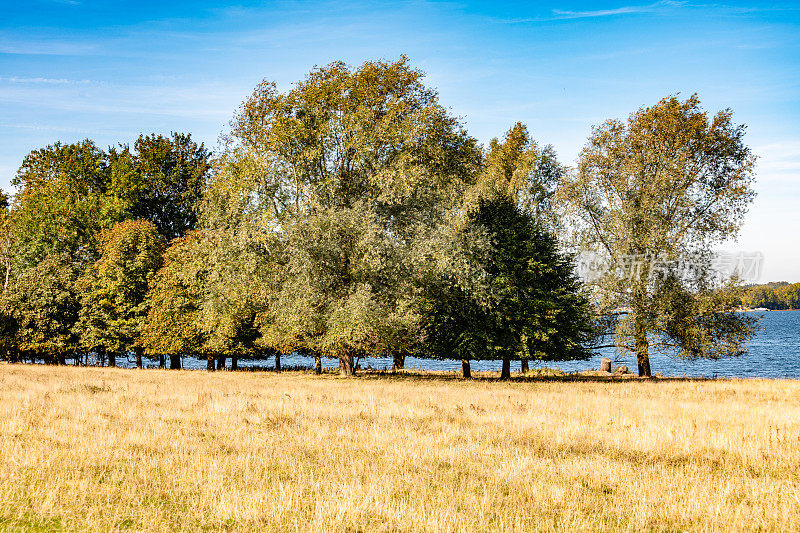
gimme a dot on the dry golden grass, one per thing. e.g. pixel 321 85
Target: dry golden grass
pixel 105 449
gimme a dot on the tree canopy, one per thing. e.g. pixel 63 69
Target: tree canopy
pixel 651 196
pixel 535 309
pixel 114 290
pixel 338 182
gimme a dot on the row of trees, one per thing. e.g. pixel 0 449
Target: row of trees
pixel 353 215
pixel 776 296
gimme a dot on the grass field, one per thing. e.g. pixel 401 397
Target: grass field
pixel 106 449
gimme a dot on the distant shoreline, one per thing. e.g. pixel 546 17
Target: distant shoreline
pixel 762 310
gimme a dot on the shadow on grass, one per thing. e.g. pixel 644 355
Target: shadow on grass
pixel 484 376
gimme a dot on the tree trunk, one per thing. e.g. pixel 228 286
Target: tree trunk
pixel 234 362
pixel 221 362
pixel 347 364
pixel 398 362
pixel 642 348
pixel 138 351
pixel 112 359
pixel 317 364
pixel 523 365
pixel 641 344
pixel 277 362
pixel 60 359
pixel 210 363
pixel 162 361
pixel 465 369
pixel 174 361
pixel 505 373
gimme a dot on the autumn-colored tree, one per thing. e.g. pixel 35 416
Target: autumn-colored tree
pixel 53 228
pixel 650 197
pixel 114 290
pixel 517 168
pixel 174 321
pixel 70 193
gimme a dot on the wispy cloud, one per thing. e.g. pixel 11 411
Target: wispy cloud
pixel 62 129
pixel 779 161
pixel 48 81
pixel 625 10
pixel 46 48
pixel 560 14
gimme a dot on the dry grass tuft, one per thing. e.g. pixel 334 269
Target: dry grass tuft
pixel 106 449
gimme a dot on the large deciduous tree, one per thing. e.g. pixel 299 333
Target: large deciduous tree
pixel 651 196
pixel 61 205
pixel 114 290
pixel 331 187
pixel 55 221
pixel 174 319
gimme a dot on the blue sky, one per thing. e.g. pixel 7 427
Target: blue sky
pixel 75 69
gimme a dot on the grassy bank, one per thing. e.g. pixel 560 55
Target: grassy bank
pixel 160 450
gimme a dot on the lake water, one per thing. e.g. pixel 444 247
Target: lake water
pixel 773 353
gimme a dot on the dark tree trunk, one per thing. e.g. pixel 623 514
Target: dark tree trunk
pixel 112 359
pixel 210 363
pixel 60 359
pixel 466 371
pixel 505 373
pixel 524 365
pixel 347 364
pixel 174 361
pixel 277 362
pixel 234 362
pixel 317 364
pixel 641 344
pixel 398 362
pixel 221 362
pixel 138 351
pixel 642 348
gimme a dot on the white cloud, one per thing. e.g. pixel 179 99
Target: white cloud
pixel 625 10
pixel 48 81
pixel 778 161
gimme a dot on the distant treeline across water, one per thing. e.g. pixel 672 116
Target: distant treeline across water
pixel 774 296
